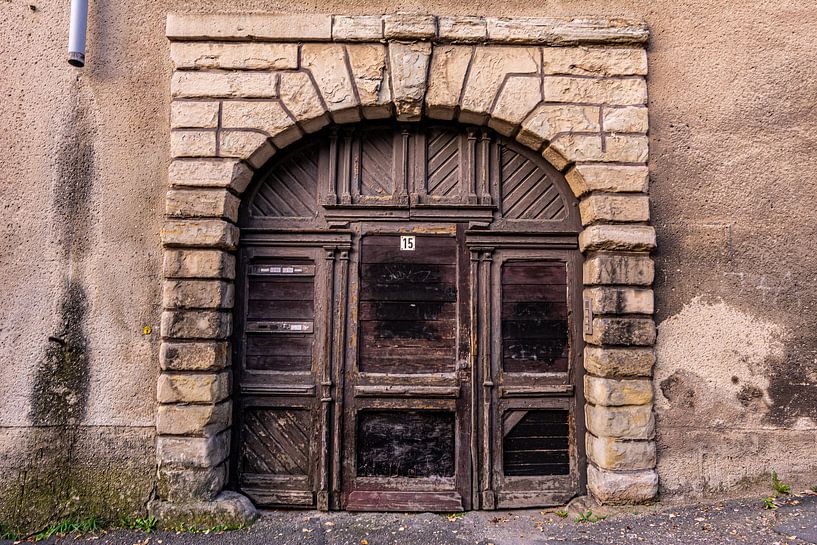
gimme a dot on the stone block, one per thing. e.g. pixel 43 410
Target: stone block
pixel 612 178
pixel 224 173
pixel 252 146
pixel 302 100
pixel 192 143
pixel 622 487
pixel 614 454
pixel 233 84
pixel 594 61
pixel 200 233
pixel 634 269
pixel 266 116
pixel 248 27
pixel 357 28
pixel 621 92
pixel 622 331
pixel 610 207
pixel 408 26
pixel 327 63
pixel 489 69
pixel 610 392
pixel 549 120
pixel 196 324
pixel 629 238
pixel 193 388
pixel 180 452
pixel 228 509
pixel 183 419
pixel 234 56
pixel 462 29
pixel 567 31
pixel 626 119
pixel 619 362
pixel 575 148
pixel 194 114
pixel 201 203
pixel 368 62
pixel 517 98
pixel 449 64
pixel 179 485
pixel 197 294
pixel 630 422
pixel 198 264
pixel 409 69
pixel 620 300
pixel 194 356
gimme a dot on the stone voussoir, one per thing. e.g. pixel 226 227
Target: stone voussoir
pixel 251 146
pixel 610 268
pixel 189 263
pixel 622 487
pixel 628 238
pixel 620 300
pixel 224 173
pixel 409 69
pixel 619 362
pixel 629 422
pixel 615 454
pixel 609 392
pixel 196 324
pixel 549 120
pixel 197 294
pixel 622 331
pixel 193 387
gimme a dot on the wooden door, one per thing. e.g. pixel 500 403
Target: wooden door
pixel 407 391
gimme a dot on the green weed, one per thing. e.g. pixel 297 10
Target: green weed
pixel 561 514
pixel 588 516
pixel 7 534
pixel 768 503
pixel 779 486
pixel 453 516
pixel 86 526
pixel 147 525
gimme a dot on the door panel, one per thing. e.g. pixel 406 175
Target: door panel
pixel 405 401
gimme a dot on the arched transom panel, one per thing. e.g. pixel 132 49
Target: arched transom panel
pixel 423 171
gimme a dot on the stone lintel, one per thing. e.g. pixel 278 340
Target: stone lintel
pixel 327 28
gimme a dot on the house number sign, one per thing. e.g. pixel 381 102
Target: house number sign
pixel 407 243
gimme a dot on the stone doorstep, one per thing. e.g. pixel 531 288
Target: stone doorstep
pixel 229 509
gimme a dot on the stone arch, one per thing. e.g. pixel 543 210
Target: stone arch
pixel 576 96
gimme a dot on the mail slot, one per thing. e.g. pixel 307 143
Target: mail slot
pixel 279 327
pixel 283 269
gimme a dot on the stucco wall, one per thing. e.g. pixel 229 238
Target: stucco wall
pixel 734 191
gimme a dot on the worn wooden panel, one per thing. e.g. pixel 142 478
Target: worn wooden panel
pixel 408 307
pixel 405 444
pixel 535 443
pixel 443 162
pixel 401 502
pixel 377 163
pixel 527 190
pixel 535 335
pixel 291 189
pixel 275 441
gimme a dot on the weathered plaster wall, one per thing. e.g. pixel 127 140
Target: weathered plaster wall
pixel 734 194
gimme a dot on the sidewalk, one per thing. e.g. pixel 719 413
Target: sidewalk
pixel 735 521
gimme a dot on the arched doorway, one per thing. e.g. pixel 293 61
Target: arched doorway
pixel 408 328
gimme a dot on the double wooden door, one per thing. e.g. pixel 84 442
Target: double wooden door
pixel 407 367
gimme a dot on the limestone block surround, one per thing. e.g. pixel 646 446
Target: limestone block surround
pixel 246 86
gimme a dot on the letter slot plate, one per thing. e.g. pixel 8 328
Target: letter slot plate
pixel 280 327
pixel 283 270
